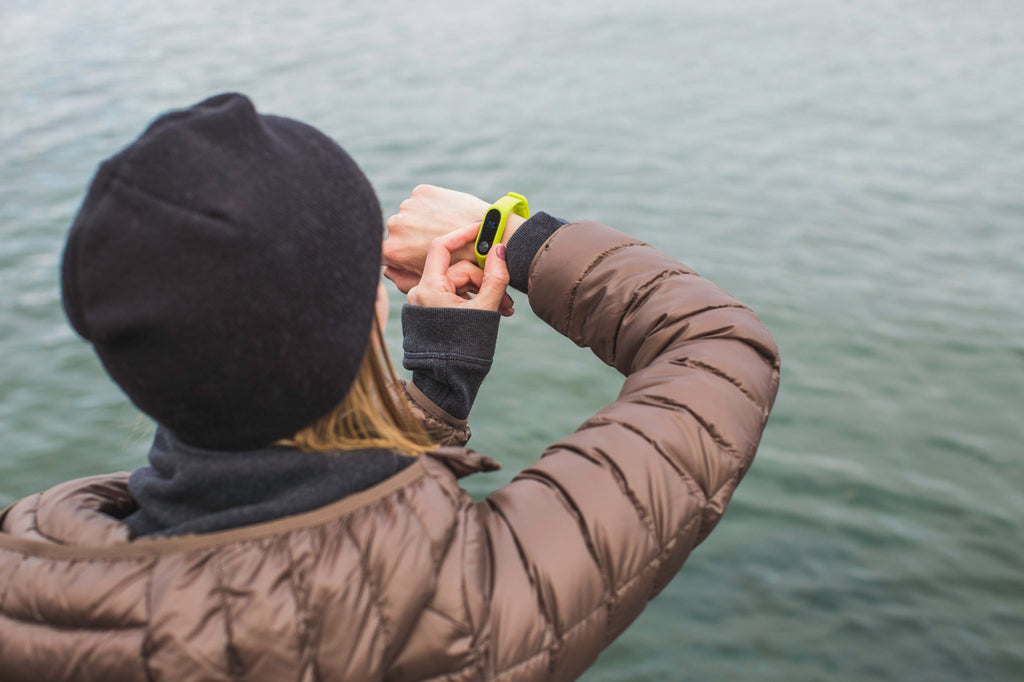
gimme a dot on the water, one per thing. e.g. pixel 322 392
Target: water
pixel 851 170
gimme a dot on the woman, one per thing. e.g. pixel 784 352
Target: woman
pixel 299 519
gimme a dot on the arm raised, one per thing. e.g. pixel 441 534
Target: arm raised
pixel 582 539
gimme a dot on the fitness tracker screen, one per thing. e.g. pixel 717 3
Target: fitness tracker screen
pixel 488 230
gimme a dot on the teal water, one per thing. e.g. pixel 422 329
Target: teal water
pixel 853 171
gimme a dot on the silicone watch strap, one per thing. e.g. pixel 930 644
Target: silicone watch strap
pixel 492 227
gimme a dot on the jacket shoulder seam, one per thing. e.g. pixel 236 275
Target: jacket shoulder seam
pixel 229 637
pixel 146 645
pixel 303 621
pixel 549 625
pixel 375 595
pixel 578 518
pixel 437 551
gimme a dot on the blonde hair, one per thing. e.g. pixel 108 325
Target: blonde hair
pixel 372 415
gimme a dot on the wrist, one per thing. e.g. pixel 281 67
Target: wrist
pixel 449 351
pixel 522 249
pixel 495 223
pixel 514 223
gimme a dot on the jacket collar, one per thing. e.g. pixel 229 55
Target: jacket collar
pixel 188 489
pixel 80 518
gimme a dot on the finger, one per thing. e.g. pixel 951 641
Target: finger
pixel 466 274
pixel 389 254
pixel 492 289
pixel 439 256
pixel 506 306
pixel 403 279
pixel 468 291
pixel 456 239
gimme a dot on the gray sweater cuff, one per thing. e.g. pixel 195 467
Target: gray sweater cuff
pixel 525 244
pixel 449 351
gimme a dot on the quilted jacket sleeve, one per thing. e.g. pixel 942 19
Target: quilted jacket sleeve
pixel 582 539
pixel 442 427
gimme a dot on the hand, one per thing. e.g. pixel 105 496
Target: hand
pixel 430 212
pixel 444 285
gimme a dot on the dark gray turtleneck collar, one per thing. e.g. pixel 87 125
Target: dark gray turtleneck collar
pixel 191 490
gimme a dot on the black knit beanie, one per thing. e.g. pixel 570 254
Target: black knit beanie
pixel 224 267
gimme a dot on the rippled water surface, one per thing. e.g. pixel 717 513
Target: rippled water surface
pixel 853 171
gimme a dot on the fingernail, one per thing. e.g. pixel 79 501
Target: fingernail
pixel 499 251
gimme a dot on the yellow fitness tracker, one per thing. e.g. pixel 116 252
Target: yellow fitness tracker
pixel 493 225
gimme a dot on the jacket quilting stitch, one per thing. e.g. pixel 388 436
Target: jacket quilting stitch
pixel 571 304
pixel 641 293
pixel 620 479
pixel 692 485
pixel 711 369
pixel 566 500
pixel 662 401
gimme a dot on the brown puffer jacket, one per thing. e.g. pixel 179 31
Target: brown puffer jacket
pixel 411 579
